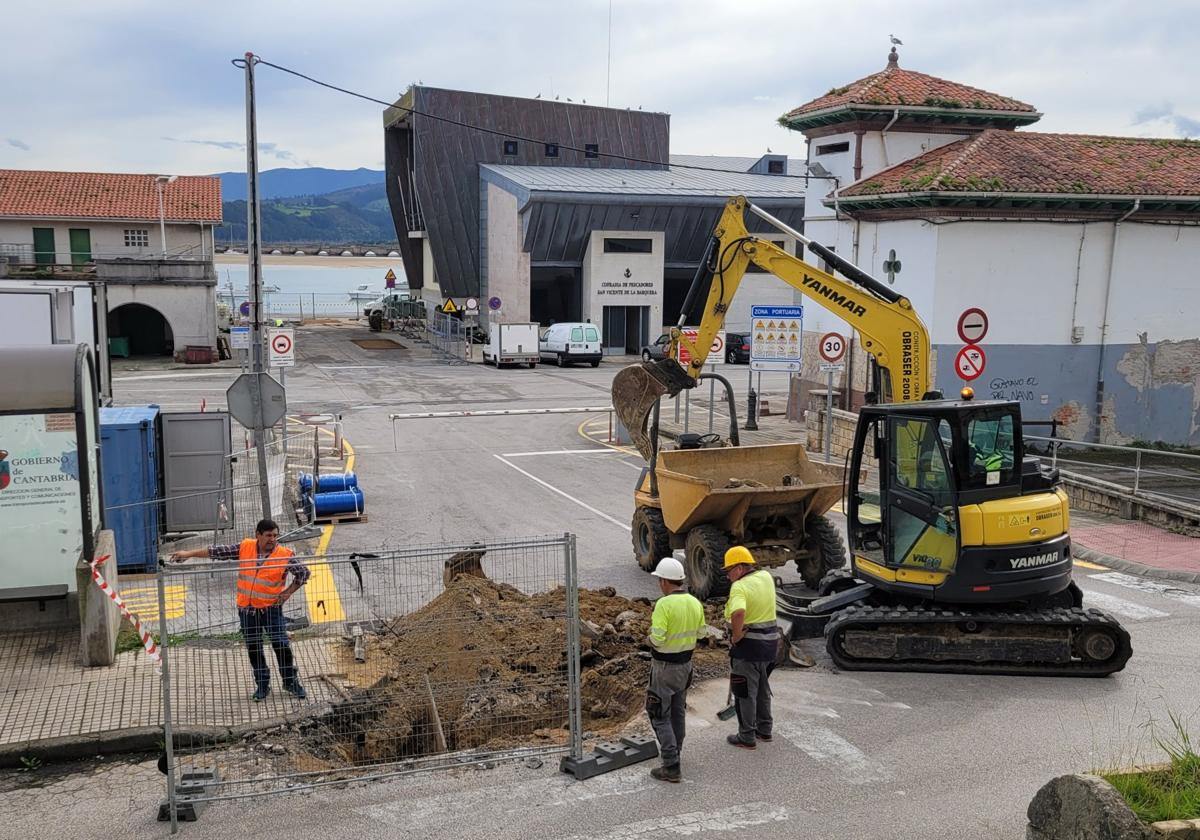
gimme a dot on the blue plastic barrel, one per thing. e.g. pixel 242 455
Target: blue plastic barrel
pixel 339 501
pixel 328 483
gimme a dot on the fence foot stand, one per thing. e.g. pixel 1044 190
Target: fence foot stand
pixel 610 756
pixel 192 783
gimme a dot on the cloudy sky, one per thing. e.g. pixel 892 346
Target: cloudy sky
pixel 124 85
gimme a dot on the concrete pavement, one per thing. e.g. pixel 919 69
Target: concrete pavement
pixel 859 755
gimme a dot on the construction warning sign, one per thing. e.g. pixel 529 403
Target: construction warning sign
pixel 776 337
pixel 449 307
pixel 390 279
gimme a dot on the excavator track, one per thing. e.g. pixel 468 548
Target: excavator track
pixel 1060 642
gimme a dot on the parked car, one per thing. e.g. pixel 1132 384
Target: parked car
pixel 657 350
pixel 737 348
pixel 570 342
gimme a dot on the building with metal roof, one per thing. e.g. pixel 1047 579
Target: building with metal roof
pixel 556 211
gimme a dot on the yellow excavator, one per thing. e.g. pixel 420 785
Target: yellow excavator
pixel 960 556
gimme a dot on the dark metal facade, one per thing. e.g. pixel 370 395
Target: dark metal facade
pixel 433 165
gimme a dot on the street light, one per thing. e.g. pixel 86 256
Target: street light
pixel 161 181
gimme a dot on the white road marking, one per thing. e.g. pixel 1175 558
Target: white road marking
pixel 812 711
pixel 519 796
pixel 1152 587
pixel 827 747
pixel 179 375
pixel 350 367
pixel 623 526
pixel 730 819
pixel 813 697
pixel 1119 606
pixel 563 452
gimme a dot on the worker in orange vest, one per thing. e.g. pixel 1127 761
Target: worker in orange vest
pixel 263 567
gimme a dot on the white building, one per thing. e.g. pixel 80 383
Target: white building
pixel 147 239
pixel 1084 252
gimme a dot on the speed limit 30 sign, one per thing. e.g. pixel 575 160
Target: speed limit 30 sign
pixel 832 347
pixel 282 345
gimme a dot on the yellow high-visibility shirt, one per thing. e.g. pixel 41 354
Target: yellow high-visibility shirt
pixel 677 623
pixel 754 593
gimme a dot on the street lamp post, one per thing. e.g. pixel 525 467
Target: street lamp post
pixel 161 181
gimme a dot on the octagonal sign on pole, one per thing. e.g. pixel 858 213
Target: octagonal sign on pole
pixel 255 399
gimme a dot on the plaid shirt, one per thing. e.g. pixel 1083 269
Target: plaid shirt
pixel 299 572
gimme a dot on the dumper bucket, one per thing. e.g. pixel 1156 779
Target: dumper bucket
pixel 637 388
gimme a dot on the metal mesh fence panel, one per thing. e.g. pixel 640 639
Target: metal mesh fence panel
pixel 426 657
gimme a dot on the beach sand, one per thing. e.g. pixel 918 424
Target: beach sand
pixel 313 260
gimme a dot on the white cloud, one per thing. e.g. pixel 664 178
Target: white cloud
pixel 133 72
pixel 17 144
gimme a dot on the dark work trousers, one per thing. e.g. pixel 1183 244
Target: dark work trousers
pixel 748 680
pixel 268 622
pixel 666 704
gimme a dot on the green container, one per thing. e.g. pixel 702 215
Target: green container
pixel 118 345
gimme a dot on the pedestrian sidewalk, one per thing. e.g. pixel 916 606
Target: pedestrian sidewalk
pixel 1135 546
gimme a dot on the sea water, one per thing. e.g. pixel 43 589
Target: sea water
pixel 308 290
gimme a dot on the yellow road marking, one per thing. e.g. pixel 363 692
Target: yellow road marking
pixel 583 434
pixel 143 601
pixel 321 593
pixel 1086 565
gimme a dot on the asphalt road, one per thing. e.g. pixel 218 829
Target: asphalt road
pixel 859 755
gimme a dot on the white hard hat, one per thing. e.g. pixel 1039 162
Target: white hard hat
pixel 669 569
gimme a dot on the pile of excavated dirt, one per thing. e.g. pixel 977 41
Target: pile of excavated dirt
pixel 484 664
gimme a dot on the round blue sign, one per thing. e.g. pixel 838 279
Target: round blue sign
pixel 245 308
pixel 493 303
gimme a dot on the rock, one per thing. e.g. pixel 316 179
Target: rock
pixel 1082 807
pixel 716 634
pixel 534 763
pixel 278 749
pixel 609 630
pixel 590 629
pixel 627 616
pixel 1177 829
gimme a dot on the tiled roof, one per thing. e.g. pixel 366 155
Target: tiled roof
pixel 893 87
pixel 997 161
pixel 28 193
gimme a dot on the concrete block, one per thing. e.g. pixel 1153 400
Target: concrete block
pixel 1177 829
pixel 610 756
pixel 99 618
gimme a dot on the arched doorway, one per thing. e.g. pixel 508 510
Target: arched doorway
pixel 139 330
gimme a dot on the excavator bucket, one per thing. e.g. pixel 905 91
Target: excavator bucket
pixel 637 388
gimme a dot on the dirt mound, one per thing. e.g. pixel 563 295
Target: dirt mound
pixel 484 664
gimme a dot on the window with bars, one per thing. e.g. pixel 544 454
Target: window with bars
pixel 137 238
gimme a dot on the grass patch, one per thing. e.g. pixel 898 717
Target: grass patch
pixel 1171 793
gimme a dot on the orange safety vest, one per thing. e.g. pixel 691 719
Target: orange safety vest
pixel 260 584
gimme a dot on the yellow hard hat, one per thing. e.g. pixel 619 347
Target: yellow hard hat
pixel 738 555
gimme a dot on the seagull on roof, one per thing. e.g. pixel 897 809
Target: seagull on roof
pixel 896 41
pixel 539 96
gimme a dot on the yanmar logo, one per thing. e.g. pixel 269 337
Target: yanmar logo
pixel 833 295
pixel 1034 561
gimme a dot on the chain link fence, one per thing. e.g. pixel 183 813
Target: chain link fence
pixel 410 660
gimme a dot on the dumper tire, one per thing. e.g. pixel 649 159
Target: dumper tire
pixel 706 546
pixel 651 539
pixel 825 549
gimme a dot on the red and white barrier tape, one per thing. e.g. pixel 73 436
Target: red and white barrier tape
pixel 147 640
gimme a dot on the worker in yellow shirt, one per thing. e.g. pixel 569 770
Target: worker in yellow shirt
pixel 675 627
pixel 750 612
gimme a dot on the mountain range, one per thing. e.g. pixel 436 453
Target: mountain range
pixel 313 205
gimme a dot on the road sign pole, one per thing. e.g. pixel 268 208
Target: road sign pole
pixel 829 416
pixel 712 395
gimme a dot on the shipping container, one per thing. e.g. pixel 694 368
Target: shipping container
pixel 129 463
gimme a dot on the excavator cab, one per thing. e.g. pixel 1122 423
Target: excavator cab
pixel 942 504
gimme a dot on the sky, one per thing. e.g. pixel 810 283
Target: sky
pixel 130 86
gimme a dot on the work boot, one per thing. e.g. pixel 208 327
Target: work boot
pixel 260 694
pixel 294 688
pixel 667 773
pixel 738 742
pixel 764 738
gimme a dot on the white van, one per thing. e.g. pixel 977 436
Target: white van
pixel 570 342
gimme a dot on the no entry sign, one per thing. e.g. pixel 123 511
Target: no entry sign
pixel 972 325
pixel 832 347
pixel 283 348
pixel 970 362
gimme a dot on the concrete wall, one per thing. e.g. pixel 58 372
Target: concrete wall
pixel 623 279
pixel 507 263
pixel 182 291
pixel 108 238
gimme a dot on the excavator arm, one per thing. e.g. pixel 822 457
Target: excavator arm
pixel 889 328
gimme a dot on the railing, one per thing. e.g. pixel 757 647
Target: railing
pixel 1149 473
pixel 299 305
pixel 26 254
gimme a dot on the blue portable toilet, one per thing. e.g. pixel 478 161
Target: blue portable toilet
pixel 129 464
